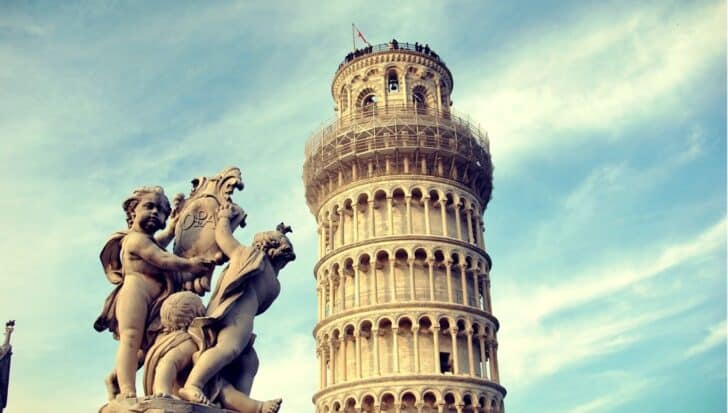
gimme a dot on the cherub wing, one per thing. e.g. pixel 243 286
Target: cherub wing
pixel 111 257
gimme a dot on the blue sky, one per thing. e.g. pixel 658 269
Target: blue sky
pixel 607 123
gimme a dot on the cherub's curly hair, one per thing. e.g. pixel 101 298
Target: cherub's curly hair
pixel 179 309
pixel 136 195
pixel 276 245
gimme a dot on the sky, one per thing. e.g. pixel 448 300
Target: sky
pixel 607 227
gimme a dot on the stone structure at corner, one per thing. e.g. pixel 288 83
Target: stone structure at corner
pixel 6 351
pixel 398 184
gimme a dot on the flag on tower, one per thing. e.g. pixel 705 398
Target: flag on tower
pixel 356 30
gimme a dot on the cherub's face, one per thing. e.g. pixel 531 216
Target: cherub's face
pixel 149 215
pixel 283 253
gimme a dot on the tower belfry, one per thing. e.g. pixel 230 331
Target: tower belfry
pixel 398 184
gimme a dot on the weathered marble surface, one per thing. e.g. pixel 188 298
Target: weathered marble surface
pixel 203 355
pixel 157 405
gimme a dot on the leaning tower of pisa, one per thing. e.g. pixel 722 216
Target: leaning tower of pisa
pixel 398 184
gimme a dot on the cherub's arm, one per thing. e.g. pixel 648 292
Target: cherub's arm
pixel 227 215
pixel 165 236
pixel 170 365
pixel 146 249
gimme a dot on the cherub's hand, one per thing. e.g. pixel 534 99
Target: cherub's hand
pixel 232 213
pixel 177 204
pixel 226 211
pixel 201 265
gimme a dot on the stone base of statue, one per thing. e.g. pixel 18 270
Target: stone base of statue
pixel 158 405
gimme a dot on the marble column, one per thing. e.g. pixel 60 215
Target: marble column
pixel 342 290
pixel 341 227
pixel 408 212
pixel 411 263
pixel 430 269
pixel 476 289
pixel 332 360
pixel 491 357
pixel 455 356
pixel 436 346
pixel 320 357
pixel 355 220
pixel 332 294
pixel 448 272
pixel 392 284
pixel 343 356
pixel 471 356
pixel 494 360
pixel 331 232
pixel 458 225
pixel 426 204
pixel 486 288
pixel 479 231
pixel 395 351
pixel 320 302
pixel 375 289
pixel 375 338
pixel 390 215
pixel 464 283
pixel 370 218
pixel 357 287
pixel 320 237
pixel 488 406
pixel 469 215
pixel 443 216
pixel 416 345
pixel 357 349
pixel 483 360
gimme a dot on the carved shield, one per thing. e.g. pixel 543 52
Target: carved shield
pixel 195 230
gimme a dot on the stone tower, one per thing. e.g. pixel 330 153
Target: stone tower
pixel 398 184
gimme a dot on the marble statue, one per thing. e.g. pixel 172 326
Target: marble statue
pixel 247 287
pixel 145 275
pixel 194 231
pixel 196 358
pixel 171 357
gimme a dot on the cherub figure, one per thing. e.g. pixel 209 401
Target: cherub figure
pixel 145 274
pixel 170 358
pixel 246 288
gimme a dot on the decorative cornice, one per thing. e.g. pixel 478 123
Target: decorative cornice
pixel 407 177
pixel 386 239
pixel 409 380
pixel 404 306
pixel 390 56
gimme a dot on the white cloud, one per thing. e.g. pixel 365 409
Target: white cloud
pixel 604 72
pixel 288 370
pixel 716 336
pixel 537 343
pixel 605 279
pixel 631 388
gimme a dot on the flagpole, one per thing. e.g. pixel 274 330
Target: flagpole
pixel 353 38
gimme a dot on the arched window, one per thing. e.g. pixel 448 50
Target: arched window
pixel 392 81
pixel 368 104
pixel 343 100
pixel 367 101
pixel 419 98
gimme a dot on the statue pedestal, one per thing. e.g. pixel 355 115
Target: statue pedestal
pixel 158 405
